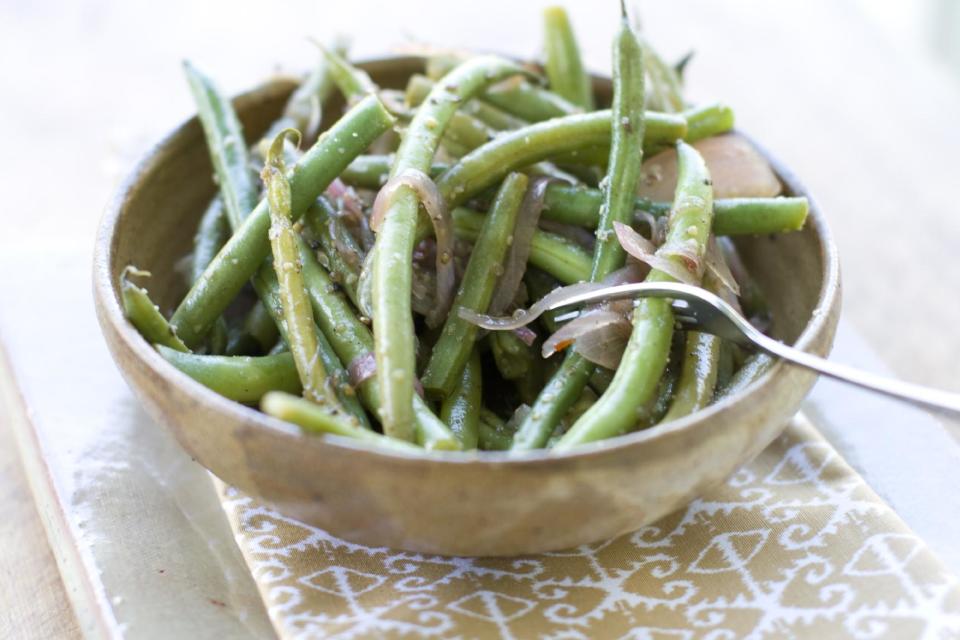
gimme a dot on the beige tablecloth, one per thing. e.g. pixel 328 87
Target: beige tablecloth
pixel 793 545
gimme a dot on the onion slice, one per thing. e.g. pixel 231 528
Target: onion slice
pixel 439 214
pixel 644 251
pixel 602 321
pixel 521 317
pixel 362 368
pixel 527 335
pixel 516 263
pixel 716 266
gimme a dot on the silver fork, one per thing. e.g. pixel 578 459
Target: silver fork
pixel 701 310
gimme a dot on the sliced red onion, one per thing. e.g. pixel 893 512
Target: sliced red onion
pixel 717 267
pixel 583 324
pixel 633 272
pixel 526 334
pixel 605 345
pixel 516 263
pixel 362 368
pixel 429 195
pixel 644 251
pixel 521 317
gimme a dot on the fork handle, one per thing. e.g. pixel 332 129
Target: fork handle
pixel 941 402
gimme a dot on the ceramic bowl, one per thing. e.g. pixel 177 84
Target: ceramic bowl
pixel 484 503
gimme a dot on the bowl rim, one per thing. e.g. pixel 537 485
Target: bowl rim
pixel 107 298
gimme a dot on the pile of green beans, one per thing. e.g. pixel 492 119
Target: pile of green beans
pixel 313 292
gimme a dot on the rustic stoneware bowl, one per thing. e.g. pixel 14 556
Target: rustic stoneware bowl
pixel 445 503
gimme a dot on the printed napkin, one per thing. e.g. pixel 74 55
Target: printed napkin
pixel 794 545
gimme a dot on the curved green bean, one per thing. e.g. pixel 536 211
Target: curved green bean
pixel 516 149
pixel 564 68
pixel 453 348
pixel 241 378
pixel 144 315
pixel 315 418
pixel 249 246
pixel 645 357
pixel 623 174
pixel 228 151
pixel 393 255
pixel 461 409
pixel 301 334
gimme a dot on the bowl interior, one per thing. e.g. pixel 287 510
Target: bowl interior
pixel 424 503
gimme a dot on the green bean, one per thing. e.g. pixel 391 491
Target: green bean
pixel 305 105
pixel 354 83
pixel 241 378
pixel 464 132
pixel 516 97
pixel 455 344
pixel 529 102
pixel 514 359
pixel 731 216
pixel 665 93
pixel 461 409
pixel 563 259
pixel 623 174
pixel 315 418
pixel 218 342
pixel 513 150
pixel 564 68
pixel 698 375
pixel 258 334
pixel 708 120
pixel 492 116
pixel 144 315
pixel 212 233
pixel 245 251
pixel 491 439
pixel 228 151
pixel 371 172
pixel 656 407
pixel 645 357
pixel 301 334
pixel 393 255
pixel 755 366
pixel 352 342
pixel 267 286
pixel 327 228
pixel 726 366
